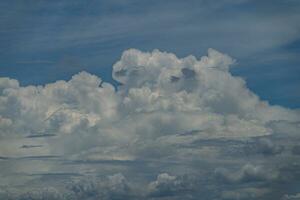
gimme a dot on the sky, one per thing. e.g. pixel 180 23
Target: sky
pixel 45 41
pixel 154 100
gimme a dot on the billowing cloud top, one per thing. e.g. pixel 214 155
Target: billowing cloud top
pixel 162 109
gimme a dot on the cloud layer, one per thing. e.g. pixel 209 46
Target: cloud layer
pixel 163 110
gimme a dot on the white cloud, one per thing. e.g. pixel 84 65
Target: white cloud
pixel 161 98
pixel 149 104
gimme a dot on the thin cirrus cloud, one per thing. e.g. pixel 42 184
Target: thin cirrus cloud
pixel 148 131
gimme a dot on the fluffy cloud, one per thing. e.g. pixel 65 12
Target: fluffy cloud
pixel 108 188
pixel 248 173
pixel 163 107
pixel 160 80
pixel 166 185
pixel 112 187
pixel 267 147
pixel 264 146
pixel 30 107
pixel 156 81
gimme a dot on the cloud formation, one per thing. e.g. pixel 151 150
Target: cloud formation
pixel 248 173
pixel 163 94
pixel 162 109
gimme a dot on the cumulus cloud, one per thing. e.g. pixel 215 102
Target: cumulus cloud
pixel 166 185
pixel 267 147
pixel 247 173
pixel 44 194
pixel 203 87
pixel 147 81
pixel 264 146
pixel 112 187
pixel 162 108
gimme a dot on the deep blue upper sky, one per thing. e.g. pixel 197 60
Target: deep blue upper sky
pixel 43 41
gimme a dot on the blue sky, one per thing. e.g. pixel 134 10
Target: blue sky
pixel 45 41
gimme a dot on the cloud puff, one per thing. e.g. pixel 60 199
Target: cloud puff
pixel 149 82
pixel 167 185
pixel 263 146
pixel 45 194
pixel 247 173
pixel 114 187
pixel 267 147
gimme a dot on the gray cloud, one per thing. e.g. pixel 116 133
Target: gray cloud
pixel 166 185
pixel 291 197
pixel 248 173
pixel 296 150
pixel 265 146
pixel 245 193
